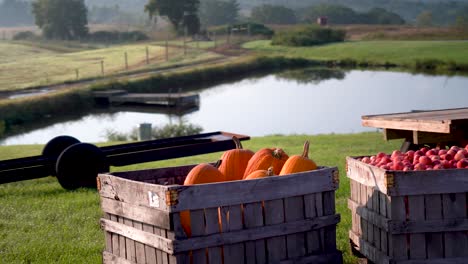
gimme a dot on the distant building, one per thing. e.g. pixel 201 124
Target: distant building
pixel 322 20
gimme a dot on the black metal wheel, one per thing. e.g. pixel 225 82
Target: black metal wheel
pixel 55 146
pixel 78 165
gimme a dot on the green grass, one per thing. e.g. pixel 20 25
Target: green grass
pixel 24 65
pixel 403 53
pixel 42 223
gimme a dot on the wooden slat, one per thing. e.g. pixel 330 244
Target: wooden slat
pixel 108 235
pixel 454 206
pixel 130 243
pixel 154 174
pixel 214 194
pixel 115 238
pixel 435 261
pixel 365 174
pixel 333 258
pixel 122 241
pixel 179 233
pixel 314 245
pixel 419 125
pixel 369 206
pixel 276 246
pixel 421 137
pixel 139 213
pixel 212 227
pixel 390 134
pixel 435 244
pixel 255 249
pixel 150 252
pixel 294 211
pixel 369 216
pixel 384 206
pixel 398 242
pixel 437 115
pixel 363 204
pixel 197 224
pixel 233 252
pixel 376 209
pixel 417 246
pixel 368 250
pixel 109 258
pixel 330 231
pixel 139 247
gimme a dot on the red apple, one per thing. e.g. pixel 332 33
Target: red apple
pixel 381 155
pixel 451 152
pixel 445 164
pixel 419 167
pixel 438 167
pixel 442 152
pixel 419 153
pixel 398 165
pixel 462 163
pixel 446 156
pixel 431 152
pixel 460 155
pixel 425 160
pixel 454 148
pixel 366 160
pixel 424 149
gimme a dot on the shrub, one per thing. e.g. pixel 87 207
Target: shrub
pixel 24 35
pixel 255 29
pixel 308 36
pixel 117 36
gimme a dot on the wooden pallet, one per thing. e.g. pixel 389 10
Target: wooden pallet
pixel 408 217
pixel 287 219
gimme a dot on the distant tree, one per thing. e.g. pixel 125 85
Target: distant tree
pixel 424 19
pixel 383 17
pixel 61 19
pixel 15 12
pixel 461 20
pixel 336 14
pixel 181 13
pixel 273 14
pixel 218 12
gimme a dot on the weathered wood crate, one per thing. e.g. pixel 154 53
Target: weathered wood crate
pixel 287 219
pixel 408 217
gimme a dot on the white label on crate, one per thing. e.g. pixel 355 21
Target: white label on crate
pixel 153 199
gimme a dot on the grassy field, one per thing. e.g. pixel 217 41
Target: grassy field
pixel 403 53
pixel 32 65
pixel 42 223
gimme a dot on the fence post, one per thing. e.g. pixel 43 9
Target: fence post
pixel 126 61
pixel 167 47
pixel 228 33
pixel 77 74
pixel 147 55
pixel 102 67
pixel 214 39
pixel 185 44
pixel 144 133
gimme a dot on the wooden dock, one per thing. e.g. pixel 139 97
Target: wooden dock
pixel 121 97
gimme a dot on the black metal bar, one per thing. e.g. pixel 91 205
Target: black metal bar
pixel 25 173
pixel 168 153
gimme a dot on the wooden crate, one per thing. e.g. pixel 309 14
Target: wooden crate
pixel 408 217
pixel 287 219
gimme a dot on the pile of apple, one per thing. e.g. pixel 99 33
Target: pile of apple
pixel 422 159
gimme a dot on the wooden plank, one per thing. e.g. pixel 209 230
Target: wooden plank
pixel 255 251
pixel 150 252
pixel 390 134
pixel 366 174
pixel 435 261
pixel 454 206
pixel 214 194
pixel 233 252
pixel 213 227
pixel 122 241
pixel 330 231
pixel 314 245
pixel 109 258
pixel 108 235
pixel 178 233
pixel 421 137
pixel 417 245
pixel 435 243
pixel 115 238
pixel 426 125
pixel 276 246
pixel 154 174
pixel 383 212
pixel 139 247
pixel 399 249
pixel 376 210
pixel 437 115
pixel 130 243
pixel 368 250
pixel 294 211
pixel 139 213
pixel 197 224
pixel 369 206
pixel 332 258
pixel 363 204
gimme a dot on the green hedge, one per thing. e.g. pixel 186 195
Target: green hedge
pixel 308 36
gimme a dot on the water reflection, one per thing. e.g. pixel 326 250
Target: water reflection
pixel 294 102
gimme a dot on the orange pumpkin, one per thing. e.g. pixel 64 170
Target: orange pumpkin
pixel 299 163
pixel 235 161
pixel 202 173
pixel 260 174
pixel 266 158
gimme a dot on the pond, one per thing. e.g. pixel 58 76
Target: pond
pixel 307 101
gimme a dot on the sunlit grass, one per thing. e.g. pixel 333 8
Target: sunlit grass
pixel 377 52
pixel 42 223
pixel 25 65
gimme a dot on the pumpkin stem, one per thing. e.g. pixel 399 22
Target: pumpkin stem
pixel 270 172
pixel 237 142
pixel 278 153
pixel 218 163
pixel 305 152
